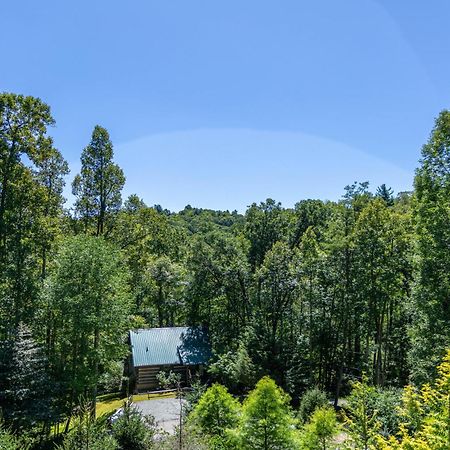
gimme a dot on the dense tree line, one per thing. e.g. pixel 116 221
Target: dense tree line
pixel 312 296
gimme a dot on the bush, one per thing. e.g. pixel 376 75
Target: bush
pixel 321 429
pixel 132 431
pixel 311 400
pixel 9 441
pixel 387 402
pixel 266 418
pixel 193 396
pixel 235 369
pixel 88 434
pixel 111 379
pixel 216 411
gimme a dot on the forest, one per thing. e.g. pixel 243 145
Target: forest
pixel 329 321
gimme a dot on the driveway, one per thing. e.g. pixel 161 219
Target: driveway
pixel 166 412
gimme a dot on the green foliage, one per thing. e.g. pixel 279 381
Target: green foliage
pixel 319 432
pixel 31 181
pixel 169 380
pixel 430 330
pixel 112 377
pixel 361 420
pixel 197 389
pixel 8 441
pixel 385 194
pixel 165 288
pixel 235 369
pixel 216 411
pixel 386 402
pixel 88 433
pixel 27 399
pixel 311 400
pixel 425 415
pixel 132 431
pixel 266 224
pixel 266 418
pixel 278 281
pixel 90 277
pixel 98 186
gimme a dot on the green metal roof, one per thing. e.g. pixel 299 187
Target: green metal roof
pixel 169 346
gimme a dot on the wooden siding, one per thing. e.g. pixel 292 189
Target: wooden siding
pixel 146 376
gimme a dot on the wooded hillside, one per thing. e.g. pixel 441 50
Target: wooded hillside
pixel 312 296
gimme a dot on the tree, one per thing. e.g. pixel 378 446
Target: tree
pixel 425 415
pixel 309 213
pixel 50 170
pixel 165 286
pixel 430 330
pixel 88 433
pixel 98 186
pixel 362 422
pixel 29 209
pixel 311 400
pixel 132 431
pixel 382 276
pixel 320 430
pixel 219 286
pixel 277 282
pixel 216 411
pixel 27 396
pixel 235 368
pixel 23 123
pixel 90 278
pixel 386 194
pixel 266 224
pixel 266 418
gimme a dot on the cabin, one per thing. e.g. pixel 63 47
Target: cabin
pixel 183 350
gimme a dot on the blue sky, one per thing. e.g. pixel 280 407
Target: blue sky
pixel 222 103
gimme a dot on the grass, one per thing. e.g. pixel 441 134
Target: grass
pixel 107 404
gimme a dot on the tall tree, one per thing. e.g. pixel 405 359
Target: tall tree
pixel 98 186
pixel 431 328
pixel 90 278
pixel 266 224
pixel 29 213
pixel 382 279
pixel 23 123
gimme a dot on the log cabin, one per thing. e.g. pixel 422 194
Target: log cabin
pixel 182 350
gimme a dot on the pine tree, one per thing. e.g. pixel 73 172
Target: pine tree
pixel 385 194
pixel 27 387
pixel 98 186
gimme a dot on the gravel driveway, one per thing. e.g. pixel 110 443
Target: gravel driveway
pixel 166 412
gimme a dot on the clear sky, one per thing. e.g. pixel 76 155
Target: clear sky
pixel 222 103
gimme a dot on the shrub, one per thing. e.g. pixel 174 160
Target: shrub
pixel 387 402
pixel 266 418
pixel 8 441
pixel 321 429
pixel 311 400
pixel 132 431
pixel 216 411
